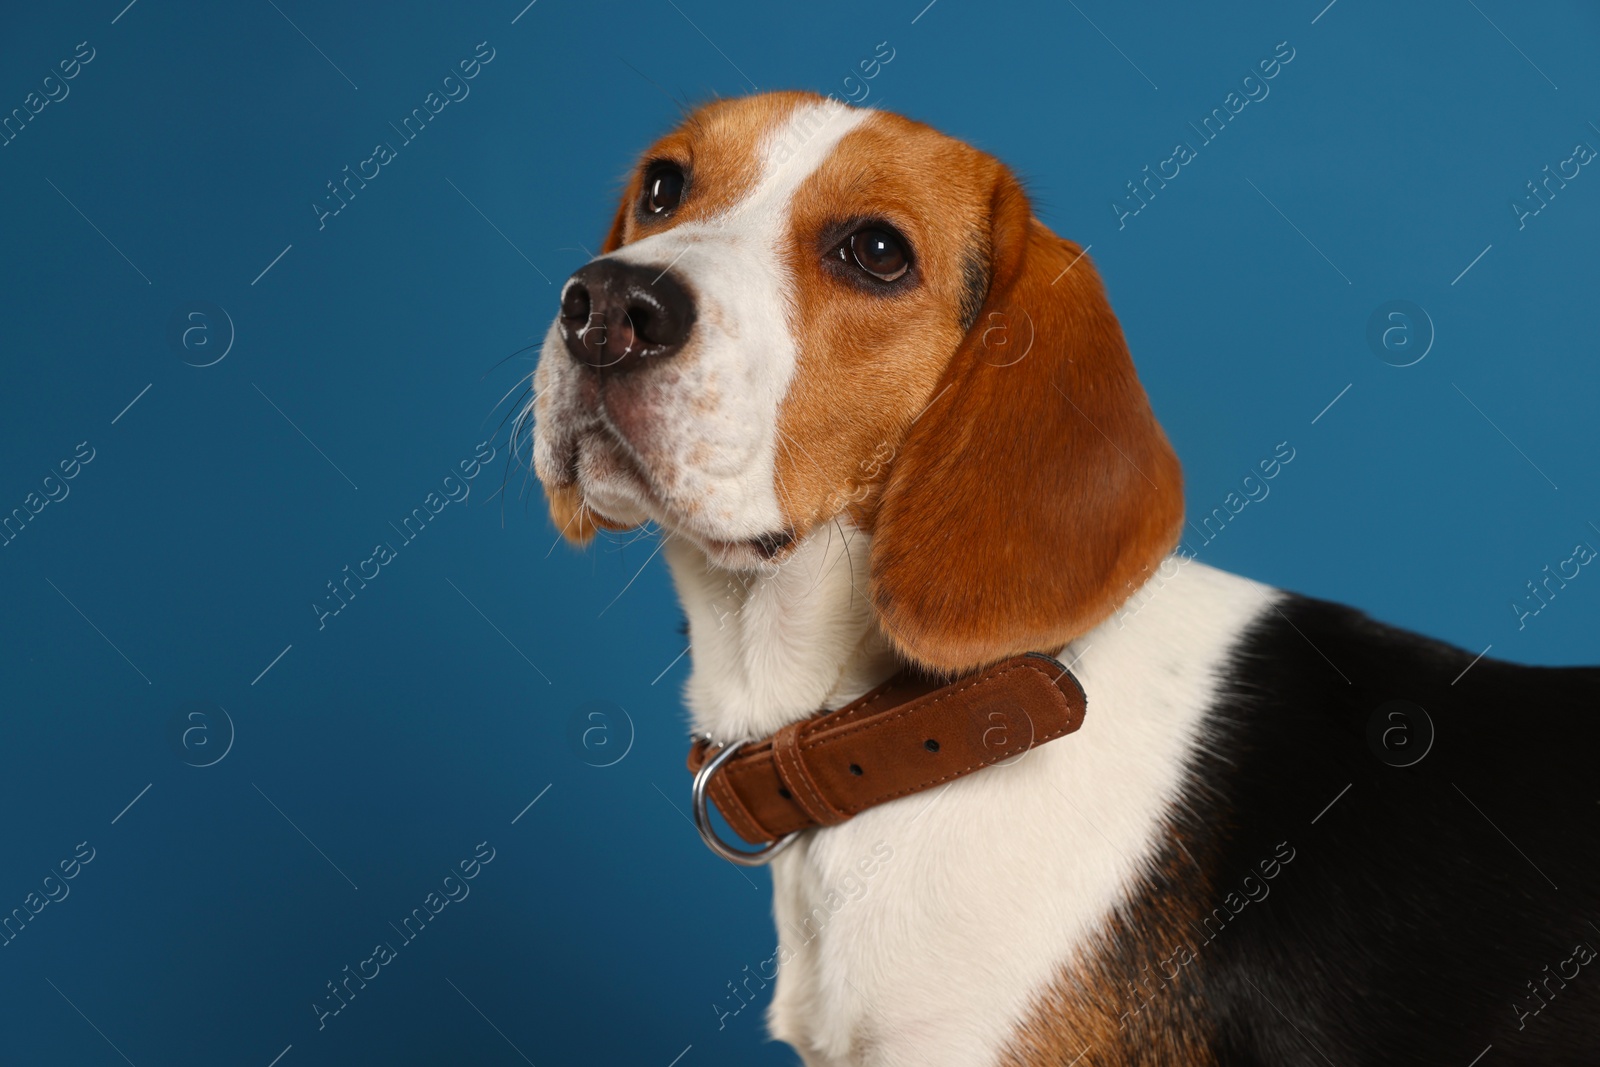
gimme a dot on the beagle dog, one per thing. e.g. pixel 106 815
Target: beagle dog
pixel 886 420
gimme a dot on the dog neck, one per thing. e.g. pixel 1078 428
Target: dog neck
pixel 769 648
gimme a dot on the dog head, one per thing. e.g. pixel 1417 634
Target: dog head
pixel 805 311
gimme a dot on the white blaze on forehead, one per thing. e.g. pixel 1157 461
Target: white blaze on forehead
pixel 743 354
pixel 793 151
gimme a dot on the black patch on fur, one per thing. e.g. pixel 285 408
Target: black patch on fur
pixel 1407 927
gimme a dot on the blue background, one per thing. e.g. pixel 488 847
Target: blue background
pixel 453 691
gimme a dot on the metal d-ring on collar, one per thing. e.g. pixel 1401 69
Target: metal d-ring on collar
pixel 702 819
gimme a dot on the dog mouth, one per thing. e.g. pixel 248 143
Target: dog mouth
pixel 753 552
pixel 622 484
pixel 767 548
pixel 772 545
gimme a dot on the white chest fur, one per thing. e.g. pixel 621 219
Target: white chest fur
pixel 919 932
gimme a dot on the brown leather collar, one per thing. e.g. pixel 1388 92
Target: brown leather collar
pixel 907 735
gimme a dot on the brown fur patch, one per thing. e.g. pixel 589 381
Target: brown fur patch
pixel 1138 999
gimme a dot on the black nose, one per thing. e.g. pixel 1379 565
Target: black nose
pixel 616 315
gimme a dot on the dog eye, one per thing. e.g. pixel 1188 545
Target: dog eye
pixel 878 252
pixel 663 188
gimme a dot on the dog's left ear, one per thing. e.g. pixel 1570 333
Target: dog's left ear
pixel 1037 490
